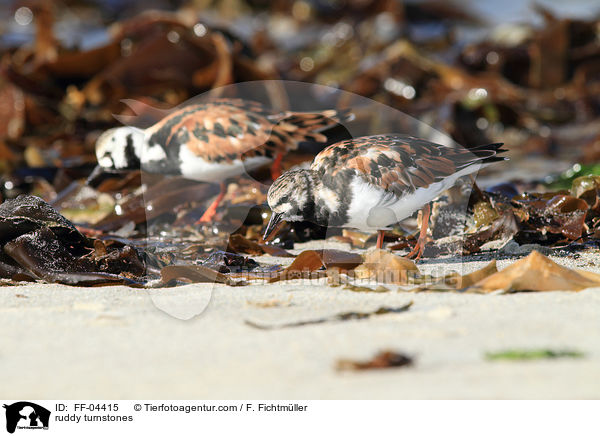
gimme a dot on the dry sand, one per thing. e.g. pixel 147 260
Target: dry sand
pixel 113 342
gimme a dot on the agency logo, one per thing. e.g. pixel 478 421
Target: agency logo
pixel 26 415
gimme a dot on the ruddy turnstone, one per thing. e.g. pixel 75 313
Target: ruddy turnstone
pixel 213 141
pixel 372 182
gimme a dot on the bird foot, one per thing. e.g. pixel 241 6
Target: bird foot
pixel 210 213
pixel 207 216
pixel 418 249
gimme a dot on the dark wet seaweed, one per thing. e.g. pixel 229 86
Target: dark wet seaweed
pixel 39 243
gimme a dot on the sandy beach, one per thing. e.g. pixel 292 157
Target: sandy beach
pixel 114 343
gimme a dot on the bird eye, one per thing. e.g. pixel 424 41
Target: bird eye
pixel 113 139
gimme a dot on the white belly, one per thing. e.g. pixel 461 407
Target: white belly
pixel 373 208
pixel 196 168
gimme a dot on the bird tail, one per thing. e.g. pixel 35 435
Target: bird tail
pixel 307 126
pixel 480 154
pixel 488 153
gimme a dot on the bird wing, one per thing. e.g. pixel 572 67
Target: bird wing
pixel 217 131
pixel 399 163
pixel 228 129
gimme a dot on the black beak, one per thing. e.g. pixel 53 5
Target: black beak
pixel 100 173
pixel 95 175
pixel 275 219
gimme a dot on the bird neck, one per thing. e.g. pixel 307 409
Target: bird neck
pixel 135 143
pixel 125 148
pixel 318 207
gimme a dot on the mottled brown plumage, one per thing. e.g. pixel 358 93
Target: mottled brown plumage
pixel 213 141
pixel 227 129
pixel 399 163
pixel 372 182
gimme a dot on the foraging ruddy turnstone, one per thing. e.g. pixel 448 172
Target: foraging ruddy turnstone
pixel 372 182
pixel 213 141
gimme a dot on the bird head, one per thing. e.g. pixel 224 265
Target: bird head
pixel 120 148
pixel 291 198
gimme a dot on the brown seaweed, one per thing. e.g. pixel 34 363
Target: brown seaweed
pixel 309 263
pixel 344 316
pixel 382 360
pixel 195 274
pixel 39 243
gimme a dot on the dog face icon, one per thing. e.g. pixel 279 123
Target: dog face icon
pixel 26 414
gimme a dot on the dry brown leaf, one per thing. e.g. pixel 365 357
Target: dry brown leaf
pixel 274 302
pixel 241 244
pixel 195 274
pixel 12 114
pixel 459 282
pixel 386 267
pixel 382 360
pixel 310 261
pixel 224 71
pixel 549 52
pixel 358 239
pixel 538 273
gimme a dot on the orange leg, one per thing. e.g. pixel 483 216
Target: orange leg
pixel 380 236
pixel 209 214
pixel 276 167
pixel 417 251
